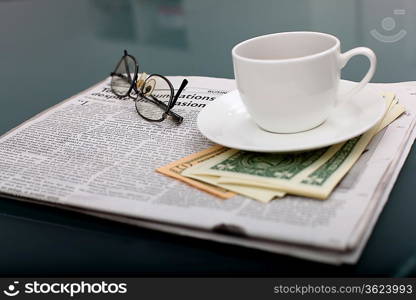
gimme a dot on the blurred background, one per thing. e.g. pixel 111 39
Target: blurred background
pixel 51 49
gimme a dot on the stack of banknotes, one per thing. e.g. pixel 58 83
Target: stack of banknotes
pixel 225 172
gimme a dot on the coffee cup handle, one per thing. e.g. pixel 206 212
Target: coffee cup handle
pixel 343 60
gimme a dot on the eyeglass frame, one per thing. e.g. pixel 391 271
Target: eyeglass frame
pixel 133 86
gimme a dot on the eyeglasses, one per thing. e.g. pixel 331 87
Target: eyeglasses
pixel 154 94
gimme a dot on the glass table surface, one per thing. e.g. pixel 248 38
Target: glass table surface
pixel 53 49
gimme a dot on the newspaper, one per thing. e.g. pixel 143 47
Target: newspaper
pixel 92 153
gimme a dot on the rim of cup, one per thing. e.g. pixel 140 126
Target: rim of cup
pixel 282 60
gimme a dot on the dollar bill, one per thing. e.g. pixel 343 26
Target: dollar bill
pixel 176 168
pixel 395 111
pixel 209 183
pixel 312 174
pixel 257 193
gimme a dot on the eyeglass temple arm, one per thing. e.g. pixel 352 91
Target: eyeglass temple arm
pixel 183 85
pixel 177 118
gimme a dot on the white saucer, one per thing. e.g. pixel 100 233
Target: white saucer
pixel 226 122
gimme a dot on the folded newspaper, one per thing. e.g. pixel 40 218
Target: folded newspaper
pixel 93 154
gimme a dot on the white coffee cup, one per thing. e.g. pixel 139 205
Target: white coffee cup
pixel 289 81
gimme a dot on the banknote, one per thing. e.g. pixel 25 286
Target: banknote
pixel 312 173
pixel 209 183
pixel 176 168
pixel 256 193
pixel 395 111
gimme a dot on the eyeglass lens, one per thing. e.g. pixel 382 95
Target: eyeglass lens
pixel 157 94
pixel 122 77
